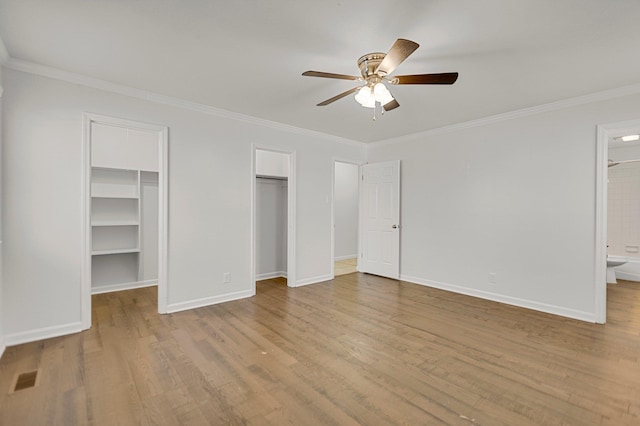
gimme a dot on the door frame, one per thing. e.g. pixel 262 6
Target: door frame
pixel 358 164
pixel 291 215
pixel 605 133
pixel 163 209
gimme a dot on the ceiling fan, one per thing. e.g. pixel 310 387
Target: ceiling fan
pixel 375 69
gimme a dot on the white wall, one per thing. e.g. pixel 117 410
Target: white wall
pixel 209 200
pixel 515 198
pixel 271 228
pixel 149 226
pixel 624 152
pixel 269 163
pixel 346 211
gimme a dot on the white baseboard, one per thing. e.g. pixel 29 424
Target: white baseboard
pixel 42 333
pixel 313 280
pixel 522 303
pixel 124 286
pixel 630 271
pixel 269 275
pixel 207 301
pixel 627 276
pixel 347 257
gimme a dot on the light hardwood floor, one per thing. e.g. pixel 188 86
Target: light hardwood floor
pixel 357 350
pixel 344 267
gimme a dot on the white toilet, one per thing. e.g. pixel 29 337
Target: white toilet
pixel 612 262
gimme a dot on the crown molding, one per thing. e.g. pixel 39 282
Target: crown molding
pixel 74 78
pixel 524 112
pixel 95 83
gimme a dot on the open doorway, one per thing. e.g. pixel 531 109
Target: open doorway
pixel 617 250
pixel 345 218
pixel 125 217
pixel 273 217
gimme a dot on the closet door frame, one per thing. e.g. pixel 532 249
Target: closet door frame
pixel 163 208
pixel 291 215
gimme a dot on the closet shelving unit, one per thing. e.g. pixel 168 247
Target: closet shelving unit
pixel 115 225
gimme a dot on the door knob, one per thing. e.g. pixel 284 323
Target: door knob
pixel 394 226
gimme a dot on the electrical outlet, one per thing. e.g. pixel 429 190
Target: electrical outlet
pixel 492 277
pixel 226 277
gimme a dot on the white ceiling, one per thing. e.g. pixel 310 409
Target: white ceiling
pixel 246 56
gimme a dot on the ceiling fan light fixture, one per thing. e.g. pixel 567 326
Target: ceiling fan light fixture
pixel 366 97
pixel 375 69
pixel 382 94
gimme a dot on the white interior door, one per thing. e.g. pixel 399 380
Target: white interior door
pixel 381 219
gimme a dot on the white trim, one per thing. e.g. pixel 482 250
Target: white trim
pixel 291 215
pixel 123 286
pixel 600 243
pixel 514 301
pixel 252 225
pixel 42 333
pixel 2 346
pixel 605 132
pixel 313 280
pixel 627 276
pixel 292 253
pixel 85 220
pixel 208 301
pixel 347 257
pixel 163 222
pixel 524 112
pixel 163 209
pixel 270 275
pixel 50 72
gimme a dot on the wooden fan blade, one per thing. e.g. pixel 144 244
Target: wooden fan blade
pixel 400 51
pixel 391 105
pixel 340 96
pixel 442 78
pixel 329 75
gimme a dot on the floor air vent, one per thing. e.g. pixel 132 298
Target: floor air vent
pixel 25 381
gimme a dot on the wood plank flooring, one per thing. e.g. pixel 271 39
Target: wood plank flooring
pixel 344 267
pixel 356 350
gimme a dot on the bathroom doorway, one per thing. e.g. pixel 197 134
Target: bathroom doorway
pixel 617 198
pixel 346 215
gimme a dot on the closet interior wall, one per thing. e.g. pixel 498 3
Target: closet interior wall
pixel 271 227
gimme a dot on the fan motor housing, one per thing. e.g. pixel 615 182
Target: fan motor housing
pixel 369 63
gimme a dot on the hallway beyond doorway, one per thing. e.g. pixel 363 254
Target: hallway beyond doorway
pixel 347 266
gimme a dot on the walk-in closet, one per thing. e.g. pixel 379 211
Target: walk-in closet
pixel 271 214
pixel 123 207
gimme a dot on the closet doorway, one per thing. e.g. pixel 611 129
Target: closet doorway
pixel 273 217
pixel 125 220
pixel 345 218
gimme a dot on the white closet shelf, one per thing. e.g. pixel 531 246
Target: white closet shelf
pixel 115 223
pixel 115 251
pixel 129 197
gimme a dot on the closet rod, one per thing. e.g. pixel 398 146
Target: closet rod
pixel 271 177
